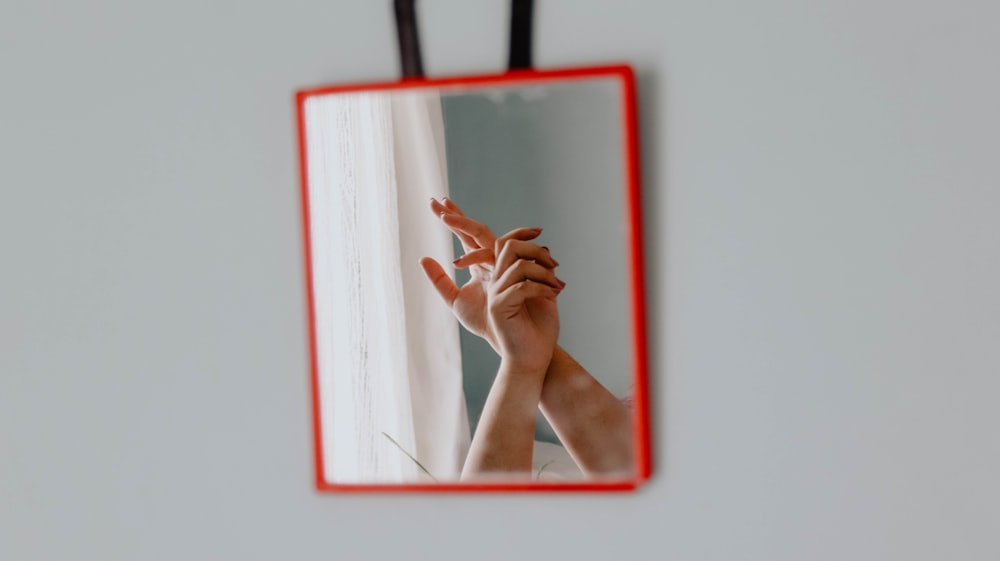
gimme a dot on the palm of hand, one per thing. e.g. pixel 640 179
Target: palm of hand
pixel 470 309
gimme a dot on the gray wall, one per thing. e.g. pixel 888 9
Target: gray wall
pixel 821 199
pixel 551 156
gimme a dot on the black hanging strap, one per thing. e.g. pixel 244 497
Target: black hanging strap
pixel 520 34
pixel 409 44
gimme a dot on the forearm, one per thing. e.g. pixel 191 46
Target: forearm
pixel 505 438
pixel 593 425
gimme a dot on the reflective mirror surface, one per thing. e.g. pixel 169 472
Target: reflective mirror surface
pixel 474 302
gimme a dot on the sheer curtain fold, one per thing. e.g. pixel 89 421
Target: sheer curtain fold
pixel 433 348
pixel 387 350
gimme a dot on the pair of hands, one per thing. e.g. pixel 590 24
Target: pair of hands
pixel 510 300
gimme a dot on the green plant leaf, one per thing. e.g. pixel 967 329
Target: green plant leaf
pixel 408 455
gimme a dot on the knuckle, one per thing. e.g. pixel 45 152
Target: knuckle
pixel 507 250
pixel 521 264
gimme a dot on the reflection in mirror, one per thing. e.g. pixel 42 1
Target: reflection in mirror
pixel 470 283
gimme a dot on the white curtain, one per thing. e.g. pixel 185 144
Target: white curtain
pixel 388 351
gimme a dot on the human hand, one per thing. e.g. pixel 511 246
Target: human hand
pixel 521 314
pixel 521 302
pixel 469 302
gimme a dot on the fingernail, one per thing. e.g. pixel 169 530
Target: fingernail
pixel 562 282
pixel 554 261
pixel 455 262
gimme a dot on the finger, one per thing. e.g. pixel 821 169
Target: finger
pixel 475 257
pixel 452 206
pixel 468 243
pixel 437 207
pixel 513 250
pixel 483 236
pixel 523 270
pixel 440 279
pixel 523 234
pixel 516 294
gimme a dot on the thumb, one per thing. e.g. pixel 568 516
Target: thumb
pixel 441 280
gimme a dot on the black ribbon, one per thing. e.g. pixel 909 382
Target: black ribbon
pixel 409 43
pixel 520 34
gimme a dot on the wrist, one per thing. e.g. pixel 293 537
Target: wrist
pixel 534 369
pixel 492 340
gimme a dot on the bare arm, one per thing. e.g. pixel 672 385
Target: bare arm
pixel 523 313
pixel 593 425
pixel 505 437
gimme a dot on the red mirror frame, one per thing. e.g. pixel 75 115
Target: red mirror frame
pixel 634 230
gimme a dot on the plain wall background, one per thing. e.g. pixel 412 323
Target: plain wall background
pixel 821 192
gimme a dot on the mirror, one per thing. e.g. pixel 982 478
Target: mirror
pixel 475 282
